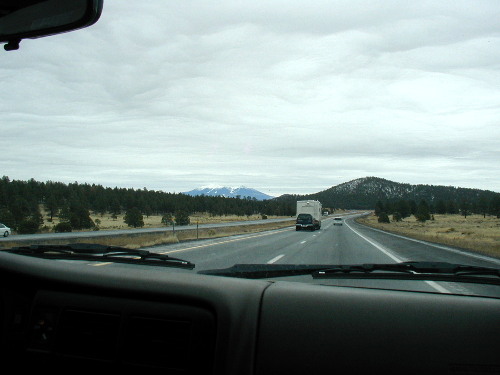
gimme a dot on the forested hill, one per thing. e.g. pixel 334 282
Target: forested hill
pixel 364 193
pixel 22 200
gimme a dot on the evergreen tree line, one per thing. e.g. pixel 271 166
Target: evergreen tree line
pixel 20 203
pixel 364 193
pixel 423 210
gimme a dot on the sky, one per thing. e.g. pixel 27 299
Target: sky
pixel 286 97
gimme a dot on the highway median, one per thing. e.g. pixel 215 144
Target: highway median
pixel 138 239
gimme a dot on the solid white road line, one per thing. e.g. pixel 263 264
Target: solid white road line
pixel 380 247
pixel 443 247
pixel 433 284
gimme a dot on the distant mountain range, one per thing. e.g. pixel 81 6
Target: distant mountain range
pixel 364 192
pixel 361 193
pixel 229 192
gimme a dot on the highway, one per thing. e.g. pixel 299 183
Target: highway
pixel 350 243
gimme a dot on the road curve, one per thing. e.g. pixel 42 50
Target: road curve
pixel 350 243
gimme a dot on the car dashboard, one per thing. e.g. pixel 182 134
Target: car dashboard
pixel 63 316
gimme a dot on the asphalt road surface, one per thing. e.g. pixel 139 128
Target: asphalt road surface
pixel 350 243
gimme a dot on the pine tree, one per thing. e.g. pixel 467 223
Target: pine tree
pixel 383 218
pixel 464 208
pixel 403 208
pixel 413 207
pixel 482 205
pixel 80 218
pixel 7 218
pixel 451 208
pixel 423 212
pixel 167 219
pixel 440 207
pixel 182 217
pixel 52 206
pixel 494 206
pixel 379 208
pixel 134 218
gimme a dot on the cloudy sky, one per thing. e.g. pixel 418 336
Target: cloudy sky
pixel 281 96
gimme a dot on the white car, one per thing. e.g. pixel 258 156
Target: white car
pixel 4 230
pixel 337 221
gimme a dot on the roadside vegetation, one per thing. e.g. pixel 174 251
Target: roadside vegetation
pixel 108 221
pixel 479 233
pixel 473 225
pixel 171 234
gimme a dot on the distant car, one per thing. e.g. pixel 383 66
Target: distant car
pixel 4 230
pixel 337 221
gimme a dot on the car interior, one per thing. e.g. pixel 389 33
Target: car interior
pixel 57 315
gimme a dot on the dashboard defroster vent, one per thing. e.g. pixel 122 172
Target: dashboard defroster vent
pixel 158 342
pixel 88 334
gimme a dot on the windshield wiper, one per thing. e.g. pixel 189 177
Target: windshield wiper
pixel 414 270
pixel 437 271
pixel 97 252
pixel 262 271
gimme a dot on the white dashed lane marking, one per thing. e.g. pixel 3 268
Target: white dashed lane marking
pixel 275 259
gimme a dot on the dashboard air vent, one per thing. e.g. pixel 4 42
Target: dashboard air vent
pixel 88 334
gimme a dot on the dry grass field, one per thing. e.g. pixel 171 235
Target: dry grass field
pixel 474 232
pixel 106 222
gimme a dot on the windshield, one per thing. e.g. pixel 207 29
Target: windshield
pixel 231 132
pixel 304 217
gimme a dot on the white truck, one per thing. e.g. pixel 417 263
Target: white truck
pixel 308 215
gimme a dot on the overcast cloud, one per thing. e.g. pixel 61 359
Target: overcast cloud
pixel 281 96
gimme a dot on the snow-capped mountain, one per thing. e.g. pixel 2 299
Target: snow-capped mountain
pixel 229 192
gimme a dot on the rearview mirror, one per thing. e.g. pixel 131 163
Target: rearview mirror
pixel 21 19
